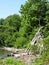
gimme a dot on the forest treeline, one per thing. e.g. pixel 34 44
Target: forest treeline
pixel 18 30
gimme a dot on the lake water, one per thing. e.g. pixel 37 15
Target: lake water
pixel 3 53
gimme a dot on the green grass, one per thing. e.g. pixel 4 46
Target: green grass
pixel 10 61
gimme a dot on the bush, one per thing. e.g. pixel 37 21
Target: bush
pixel 20 42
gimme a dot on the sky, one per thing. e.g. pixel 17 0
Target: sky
pixel 10 7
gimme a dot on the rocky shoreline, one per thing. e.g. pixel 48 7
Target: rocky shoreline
pixel 15 52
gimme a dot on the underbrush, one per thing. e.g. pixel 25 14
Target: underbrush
pixel 10 61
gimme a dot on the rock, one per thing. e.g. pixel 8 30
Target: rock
pixel 17 55
pixel 23 54
pixel 11 54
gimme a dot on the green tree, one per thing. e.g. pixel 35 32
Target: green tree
pixel 33 14
pixel 9 30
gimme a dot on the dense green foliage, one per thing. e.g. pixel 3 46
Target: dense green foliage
pixel 15 28
pixel 17 31
pixel 9 30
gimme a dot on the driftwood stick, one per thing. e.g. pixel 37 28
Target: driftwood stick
pixel 13 50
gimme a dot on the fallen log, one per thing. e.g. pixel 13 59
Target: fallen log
pixel 14 50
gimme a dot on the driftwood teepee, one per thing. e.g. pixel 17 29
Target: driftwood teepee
pixel 37 36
